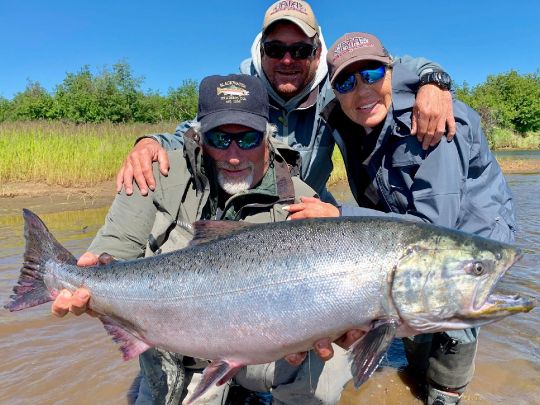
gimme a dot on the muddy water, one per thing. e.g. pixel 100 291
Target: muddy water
pixel 46 360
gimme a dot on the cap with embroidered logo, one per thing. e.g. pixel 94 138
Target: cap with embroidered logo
pixel 297 12
pixel 355 47
pixel 233 99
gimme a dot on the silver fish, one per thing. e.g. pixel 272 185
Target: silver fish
pixel 249 294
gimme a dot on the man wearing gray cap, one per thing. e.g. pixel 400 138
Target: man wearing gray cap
pixel 288 55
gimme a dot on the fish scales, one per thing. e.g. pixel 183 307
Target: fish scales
pixel 245 294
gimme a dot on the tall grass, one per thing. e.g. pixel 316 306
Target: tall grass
pixel 84 155
pixel 338 173
pixel 67 154
pixel 501 138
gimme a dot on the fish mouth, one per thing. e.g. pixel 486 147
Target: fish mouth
pixel 499 306
pixel 481 299
pixel 493 306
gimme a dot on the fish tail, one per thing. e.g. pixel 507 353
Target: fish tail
pixel 41 249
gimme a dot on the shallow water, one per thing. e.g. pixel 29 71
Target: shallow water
pixel 46 360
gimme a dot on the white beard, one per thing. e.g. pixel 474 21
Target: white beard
pixel 234 186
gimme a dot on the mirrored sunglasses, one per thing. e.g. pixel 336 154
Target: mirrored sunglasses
pixel 222 140
pixel 298 50
pixel 346 83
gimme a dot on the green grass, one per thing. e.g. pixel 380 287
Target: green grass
pixel 85 155
pixel 338 173
pixel 67 154
pixel 506 139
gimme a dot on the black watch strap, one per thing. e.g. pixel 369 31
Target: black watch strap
pixel 438 78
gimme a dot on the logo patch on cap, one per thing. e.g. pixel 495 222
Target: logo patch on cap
pixel 232 92
pixel 289 6
pixel 350 44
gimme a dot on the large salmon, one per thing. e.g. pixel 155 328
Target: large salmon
pixel 249 294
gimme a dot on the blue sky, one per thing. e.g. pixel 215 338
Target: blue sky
pixel 170 41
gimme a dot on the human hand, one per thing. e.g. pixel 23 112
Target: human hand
pixel 76 303
pixel 323 347
pixel 311 207
pixel 432 115
pixel 138 165
pixel 90 259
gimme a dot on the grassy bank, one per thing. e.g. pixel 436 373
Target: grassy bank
pixel 66 154
pixel 85 155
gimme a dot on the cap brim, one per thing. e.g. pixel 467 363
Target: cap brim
pixel 309 31
pixel 384 59
pixel 227 117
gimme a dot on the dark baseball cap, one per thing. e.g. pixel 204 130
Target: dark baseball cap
pixel 355 47
pixel 232 99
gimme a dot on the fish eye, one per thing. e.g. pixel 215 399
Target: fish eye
pixel 478 268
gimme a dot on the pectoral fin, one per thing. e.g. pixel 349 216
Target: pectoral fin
pixel 217 372
pixel 366 354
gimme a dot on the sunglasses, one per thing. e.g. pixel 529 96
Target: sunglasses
pixel 298 50
pixel 222 140
pixel 346 83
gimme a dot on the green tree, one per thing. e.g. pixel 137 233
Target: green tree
pixel 34 103
pixel 182 101
pixel 507 100
pixel 4 109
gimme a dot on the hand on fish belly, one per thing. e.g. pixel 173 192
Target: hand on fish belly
pixel 311 207
pixel 77 302
pixel 323 347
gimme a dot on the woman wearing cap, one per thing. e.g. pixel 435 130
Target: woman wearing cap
pixel 454 184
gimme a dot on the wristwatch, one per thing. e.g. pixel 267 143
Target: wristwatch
pixel 438 78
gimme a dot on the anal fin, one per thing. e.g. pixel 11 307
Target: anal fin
pixel 366 354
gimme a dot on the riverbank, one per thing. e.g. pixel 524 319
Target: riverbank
pixel 51 198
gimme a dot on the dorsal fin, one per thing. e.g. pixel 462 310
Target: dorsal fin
pixel 205 231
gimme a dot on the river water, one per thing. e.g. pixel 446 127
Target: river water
pixel 46 360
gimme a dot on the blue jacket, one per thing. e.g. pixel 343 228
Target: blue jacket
pixel 455 184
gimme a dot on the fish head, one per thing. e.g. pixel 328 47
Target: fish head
pixel 446 281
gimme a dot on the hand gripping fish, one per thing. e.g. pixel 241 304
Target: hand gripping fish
pixel 250 294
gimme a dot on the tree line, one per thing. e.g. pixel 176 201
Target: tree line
pixel 508 100
pixel 112 95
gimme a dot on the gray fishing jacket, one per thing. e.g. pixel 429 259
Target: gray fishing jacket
pixel 455 184
pixel 138 226
pixel 298 120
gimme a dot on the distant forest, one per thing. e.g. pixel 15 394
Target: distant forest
pixel 508 100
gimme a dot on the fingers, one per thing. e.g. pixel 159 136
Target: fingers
pixel 127 179
pixel 120 178
pixel 450 121
pixel 427 112
pixel 137 173
pixel 67 302
pixel 138 166
pixel 311 207
pixel 87 259
pixel 323 349
pixel 295 359
pixel 105 259
pixel 346 340
pixel 163 159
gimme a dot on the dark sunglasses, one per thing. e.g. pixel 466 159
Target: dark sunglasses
pixel 222 140
pixel 347 82
pixel 298 50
